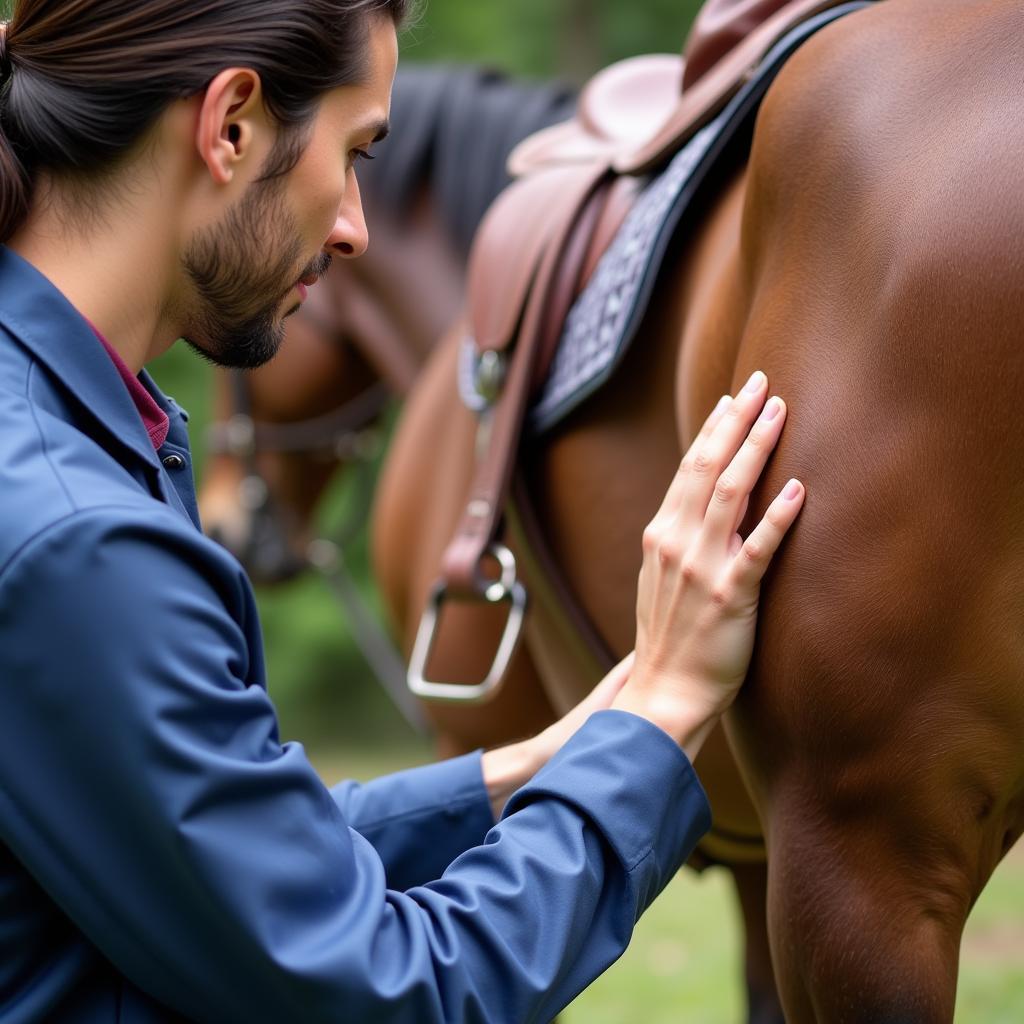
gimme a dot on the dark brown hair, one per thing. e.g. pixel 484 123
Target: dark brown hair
pixel 83 80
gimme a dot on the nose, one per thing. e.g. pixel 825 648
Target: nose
pixel 349 237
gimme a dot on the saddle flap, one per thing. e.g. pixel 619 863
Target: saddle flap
pixel 526 219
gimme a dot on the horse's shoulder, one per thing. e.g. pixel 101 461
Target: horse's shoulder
pixel 883 263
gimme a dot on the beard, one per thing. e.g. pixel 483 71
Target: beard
pixel 242 269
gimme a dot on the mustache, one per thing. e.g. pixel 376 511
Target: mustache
pixel 316 268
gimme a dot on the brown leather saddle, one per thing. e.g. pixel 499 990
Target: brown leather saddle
pixel 534 252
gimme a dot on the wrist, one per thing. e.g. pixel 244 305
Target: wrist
pixel 505 770
pixel 688 722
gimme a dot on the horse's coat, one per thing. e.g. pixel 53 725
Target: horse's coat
pixel 870 260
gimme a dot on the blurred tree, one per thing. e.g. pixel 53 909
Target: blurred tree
pixel 546 38
pixel 644 26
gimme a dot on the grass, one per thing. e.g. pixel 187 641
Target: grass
pixel 683 963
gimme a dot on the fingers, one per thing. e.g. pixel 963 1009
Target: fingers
pixel 710 494
pixel 708 459
pixel 674 495
pixel 731 493
pixel 752 560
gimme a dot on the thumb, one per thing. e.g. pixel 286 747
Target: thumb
pixel 606 691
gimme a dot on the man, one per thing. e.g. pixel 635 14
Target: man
pixel 185 168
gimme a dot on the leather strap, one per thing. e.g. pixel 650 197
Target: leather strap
pixel 546 307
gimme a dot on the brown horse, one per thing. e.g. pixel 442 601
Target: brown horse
pixel 868 255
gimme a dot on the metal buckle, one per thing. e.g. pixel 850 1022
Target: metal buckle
pixel 507 588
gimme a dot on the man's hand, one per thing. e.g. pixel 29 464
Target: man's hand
pixel 697 596
pixel 700 581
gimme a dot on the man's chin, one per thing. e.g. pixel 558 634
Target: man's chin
pixel 239 351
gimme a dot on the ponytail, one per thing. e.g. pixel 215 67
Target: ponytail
pixel 15 189
pixel 15 184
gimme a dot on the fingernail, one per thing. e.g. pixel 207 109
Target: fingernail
pixel 772 409
pixel 793 490
pixel 723 404
pixel 755 383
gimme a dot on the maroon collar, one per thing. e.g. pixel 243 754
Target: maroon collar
pixel 154 419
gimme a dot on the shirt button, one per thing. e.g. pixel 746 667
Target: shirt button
pixel 173 462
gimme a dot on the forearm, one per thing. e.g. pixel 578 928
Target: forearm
pixel 507 769
pixel 688 723
pixel 420 820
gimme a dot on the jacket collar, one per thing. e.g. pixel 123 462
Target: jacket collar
pixel 43 320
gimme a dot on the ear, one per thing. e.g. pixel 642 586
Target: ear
pixel 230 117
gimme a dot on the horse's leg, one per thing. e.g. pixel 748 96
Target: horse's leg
pixel 419 499
pixel 751 881
pixel 886 815
pixel 881 724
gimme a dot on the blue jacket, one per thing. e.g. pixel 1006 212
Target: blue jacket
pixel 163 855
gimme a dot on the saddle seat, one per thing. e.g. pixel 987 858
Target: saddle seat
pixel 576 181
pixel 619 110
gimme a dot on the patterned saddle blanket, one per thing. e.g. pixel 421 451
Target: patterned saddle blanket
pixel 605 318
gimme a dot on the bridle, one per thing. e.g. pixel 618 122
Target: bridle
pixel 347 432
pixel 354 433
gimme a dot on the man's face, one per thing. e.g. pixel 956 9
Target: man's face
pixel 251 269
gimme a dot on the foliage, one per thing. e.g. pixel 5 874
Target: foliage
pixel 544 38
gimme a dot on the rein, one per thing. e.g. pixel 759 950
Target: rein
pixel 348 433
pixel 342 432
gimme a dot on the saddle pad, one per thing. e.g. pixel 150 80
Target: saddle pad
pixel 605 318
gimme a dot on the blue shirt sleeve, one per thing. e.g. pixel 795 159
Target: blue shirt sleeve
pixel 146 790
pixel 446 801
